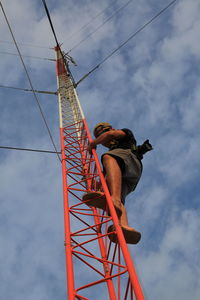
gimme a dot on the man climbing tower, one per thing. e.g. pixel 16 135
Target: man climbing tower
pixel 122 169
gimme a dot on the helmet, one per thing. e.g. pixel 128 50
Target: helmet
pixel 103 125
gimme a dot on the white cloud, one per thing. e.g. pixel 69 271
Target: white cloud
pixel 170 269
pixel 189 111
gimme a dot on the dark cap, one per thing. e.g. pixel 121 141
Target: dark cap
pixel 103 125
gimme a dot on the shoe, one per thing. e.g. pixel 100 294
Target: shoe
pixel 130 234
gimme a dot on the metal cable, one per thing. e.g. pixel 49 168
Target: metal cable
pixel 25 44
pixel 57 44
pixel 124 43
pixel 51 24
pixel 29 79
pixel 27 90
pixel 36 57
pixel 92 19
pixel 83 40
pixel 28 149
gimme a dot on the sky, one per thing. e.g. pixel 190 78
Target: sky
pixel 150 86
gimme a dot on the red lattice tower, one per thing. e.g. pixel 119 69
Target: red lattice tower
pixel 97 269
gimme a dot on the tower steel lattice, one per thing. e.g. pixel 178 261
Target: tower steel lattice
pixel 96 267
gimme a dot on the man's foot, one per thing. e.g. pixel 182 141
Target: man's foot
pixel 130 234
pixel 96 199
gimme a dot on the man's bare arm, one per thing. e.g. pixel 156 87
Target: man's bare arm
pixel 105 138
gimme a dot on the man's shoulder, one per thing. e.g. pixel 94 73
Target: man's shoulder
pixel 127 131
pixel 129 135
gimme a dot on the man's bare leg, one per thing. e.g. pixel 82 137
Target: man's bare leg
pixel 131 235
pixel 124 218
pixel 114 180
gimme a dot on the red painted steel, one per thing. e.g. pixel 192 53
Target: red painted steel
pixel 69 263
pixel 132 272
pixel 75 183
pixel 96 268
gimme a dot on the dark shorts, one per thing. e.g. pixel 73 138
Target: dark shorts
pixel 131 169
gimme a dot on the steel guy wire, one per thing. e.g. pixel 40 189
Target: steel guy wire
pixel 92 19
pixel 28 149
pixel 27 90
pixel 29 79
pixel 30 56
pixel 91 33
pixel 124 43
pixel 26 44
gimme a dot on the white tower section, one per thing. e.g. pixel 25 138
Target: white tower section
pixel 69 106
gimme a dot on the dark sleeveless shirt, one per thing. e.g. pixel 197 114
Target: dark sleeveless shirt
pixel 125 142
